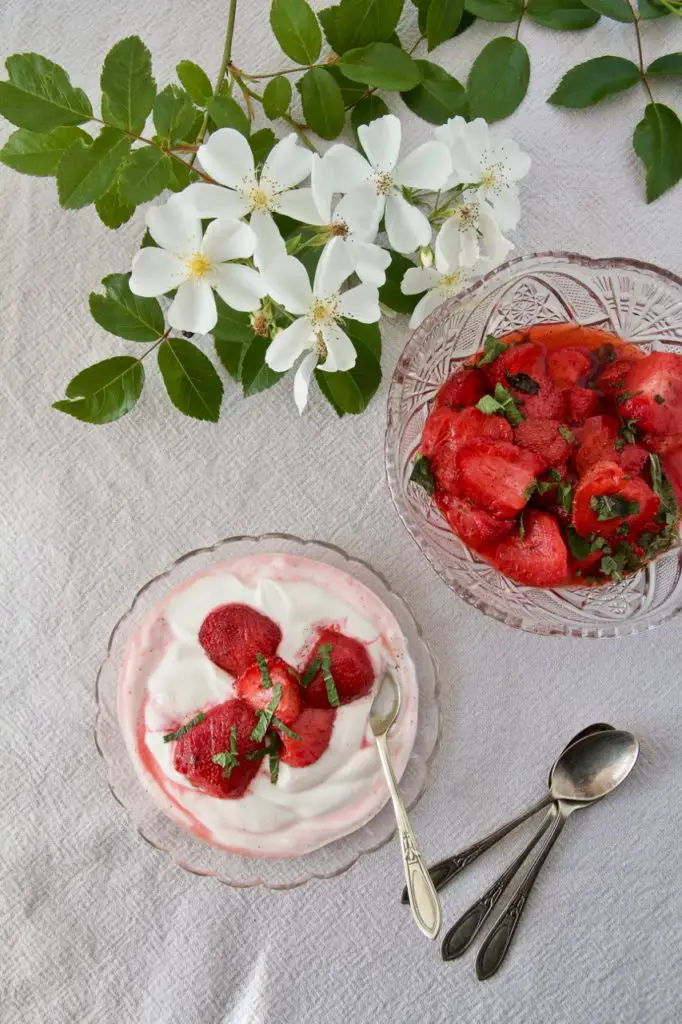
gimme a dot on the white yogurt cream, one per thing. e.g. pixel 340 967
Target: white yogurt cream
pixel 167 678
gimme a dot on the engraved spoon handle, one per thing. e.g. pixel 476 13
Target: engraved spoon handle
pixel 423 896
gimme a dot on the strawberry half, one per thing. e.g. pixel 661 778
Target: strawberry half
pixel 440 426
pixel 606 499
pixel 314 726
pixel 224 733
pixel 473 525
pixel 539 558
pixel 655 386
pixel 544 437
pixel 462 389
pixel 349 664
pixel 568 367
pixel 496 475
pixel 601 442
pixel 257 684
pixel 526 358
pixel 233 634
pixel 611 379
pixel 582 403
pixel 548 403
pixel 463 426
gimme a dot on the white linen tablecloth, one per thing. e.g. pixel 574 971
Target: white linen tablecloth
pixel 98 927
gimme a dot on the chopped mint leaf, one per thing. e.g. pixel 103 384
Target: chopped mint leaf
pixel 256 755
pixel 628 432
pixel 228 759
pixel 530 490
pixel 522 382
pixel 509 406
pixel 669 510
pixel 492 348
pixel 613 506
pixel 279 724
pixel 579 547
pixel 522 527
pixel 546 485
pixel 273 757
pixel 332 693
pixel 606 353
pixel 619 444
pixel 626 396
pixel 567 434
pixel 421 474
pixel 184 728
pixel 266 681
pixel 555 475
pixel 623 530
pixel 307 679
pixel 489 406
pixel 265 715
pixel 659 399
pixel 565 495
pixel 609 566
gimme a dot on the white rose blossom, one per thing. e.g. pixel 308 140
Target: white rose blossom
pixel 316 333
pixel 444 279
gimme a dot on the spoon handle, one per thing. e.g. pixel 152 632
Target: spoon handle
pixel 445 870
pixel 494 949
pixel 465 930
pixel 423 896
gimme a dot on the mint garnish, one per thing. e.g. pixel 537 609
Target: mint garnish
pixel 184 728
pixel 279 724
pixel 492 348
pixel 567 434
pixel 264 672
pixel 501 404
pixel 522 382
pixel 421 474
pixel 613 506
pixel 325 657
pixel 265 715
pixel 228 758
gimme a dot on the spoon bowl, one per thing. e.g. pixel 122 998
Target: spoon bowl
pixel 385 706
pixel 594 766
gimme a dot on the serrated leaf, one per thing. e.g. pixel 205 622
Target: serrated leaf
pixel 128 88
pixel 256 376
pixel 112 208
pixel 498 80
pixel 296 30
pixel 438 96
pixel 561 14
pixel 231 323
pixel 382 66
pixel 350 391
pixel 322 103
pixel 670 64
pixel 618 10
pixel 174 114
pixel 104 392
pixel 194 81
pixel 368 109
pixel 39 153
pixel 494 10
pixel 588 83
pixel 87 172
pixel 276 97
pixel 180 176
pixel 191 379
pixel 39 95
pixel 261 143
pixel 442 21
pixel 145 175
pixel 226 113
pixel 389 293
pixel 230 352
pixel 354 23
pixel 128 316
pixel 658 144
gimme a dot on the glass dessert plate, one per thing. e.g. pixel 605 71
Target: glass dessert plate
pixel 636 301
pixel 186 849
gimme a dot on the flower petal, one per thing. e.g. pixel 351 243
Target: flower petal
pixel 370 261
pixel 302 380
pixel 496 247
pixel 426 305
pixel 270 245
pixel 300 204
pixel 381 141
pixel 227 157
pixel 344 168
pixel 333 267
pixel 449 245
pixel 288 345
pixel 515 162
pixel 428 166
pixel 361 210
pixel 321 186
pixel 287 281
pixel 175 227
pixel 212 200
pixel 406 226
pixel 240 287
pixel 476 135
pixel 506 208
pixel 287 164
pixel 341 354
pixel 361 303
pixel 419 279
pixel 228 239
pixel 193 308
pixel 156 271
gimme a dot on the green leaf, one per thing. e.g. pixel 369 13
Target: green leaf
pixel 227 113
pixel 561 14
pixel 39 95
pixel 421 474
pixel 438 97
pixel 492 348
pixel 126 315
pixel 104 392
pixel 501 404
pixel 354 23
pixel 588 83
pixel 261 143
pixel 296 30
pixel 174 114
pixel 442 21
pixel 231 352
pixel 494 10
pixel 277 97
pixel 145 175
pixel 658 144
pixel 389 293
pixel 112 208
pixel 322 103
pixel 618 10
pixel 498 80
pixel 128 89
pixel 231 324
pixel 37 153
pixel 352 92
pixel 670 64
pixel 368 335
pixel 613 506
pixel 180 176
pixel 191 380
pixel 350 391
pixel 382 66
pixel 255 374
pixel 367 110
pixel 195 82
pixel 87 172
pixel 650 9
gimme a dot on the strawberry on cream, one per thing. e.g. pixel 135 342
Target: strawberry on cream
pixel 167 679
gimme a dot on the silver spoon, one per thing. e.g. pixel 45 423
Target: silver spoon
pixel 463 932
pixel 587 771
pixel 445 870
pixel 423 897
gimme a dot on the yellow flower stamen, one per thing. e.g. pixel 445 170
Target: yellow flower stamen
pixel 450 279
pixel 320 347
pixel 384 184
pixel 198 265
pixel 323 311
pixel 260 200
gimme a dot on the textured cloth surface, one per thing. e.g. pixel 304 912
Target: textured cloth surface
pixel 95 925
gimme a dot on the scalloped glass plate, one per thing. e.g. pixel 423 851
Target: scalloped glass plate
pixel 636 301
pixel 201 857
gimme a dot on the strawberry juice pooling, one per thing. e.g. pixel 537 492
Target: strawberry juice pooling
pixel 167 679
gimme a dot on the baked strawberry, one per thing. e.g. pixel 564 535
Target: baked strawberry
pixel 233 634
pixel 582 403
pixel 549 439
pixel 258 686
pixel 465 425
pixel 663 445
pixel 671 464
pixel 314 727
pixel 217 754
pixel 538 558
pixel 548 402
pixel 526 359
pixel 606 500
pixel 568 367
pixel 611 378
pixel 477 528
pixel 439 427
pixel 462 389
pixel 348 663
pixel 602 441
pixel 654 389
pixel 496 475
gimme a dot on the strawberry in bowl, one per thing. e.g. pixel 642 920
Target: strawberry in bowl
pixel 565 468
